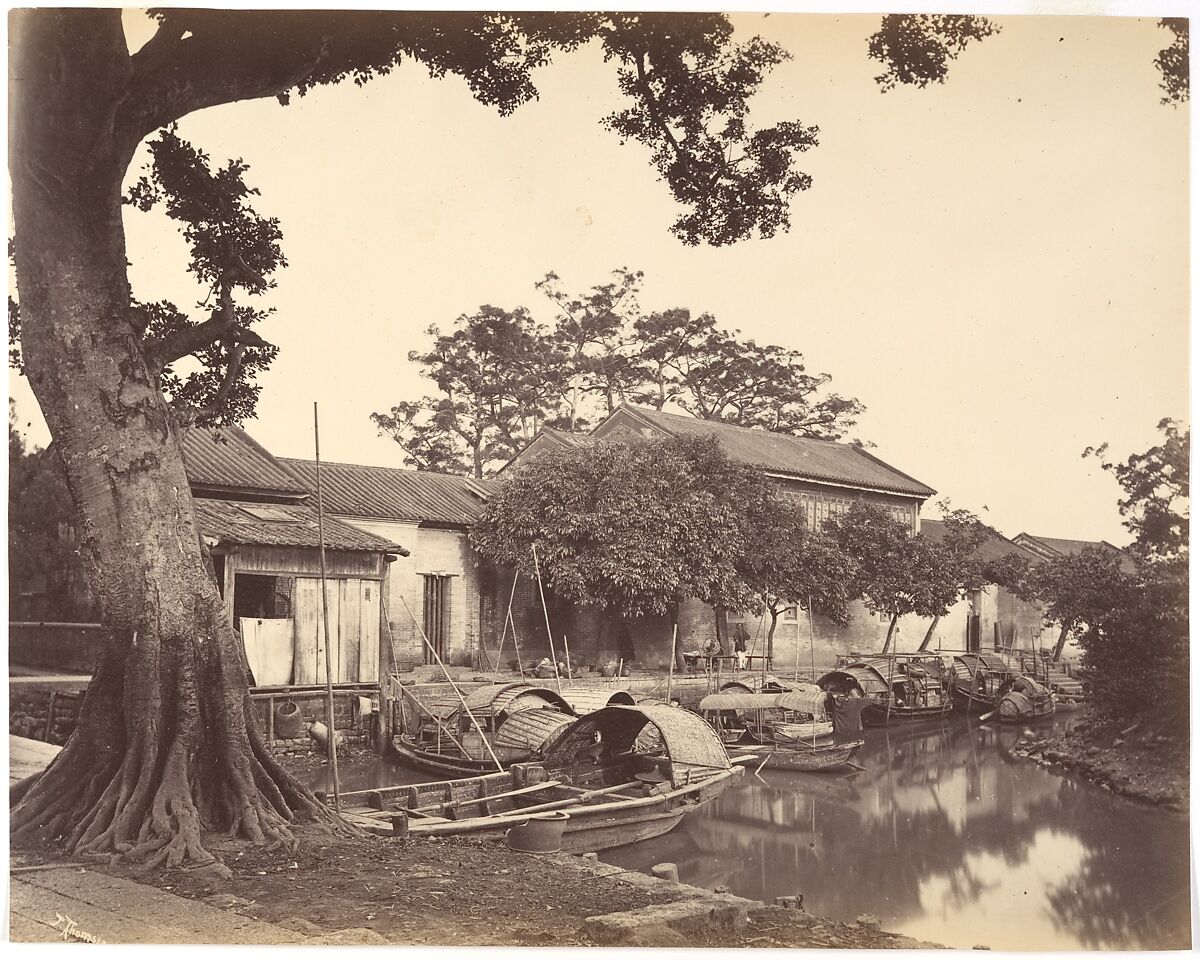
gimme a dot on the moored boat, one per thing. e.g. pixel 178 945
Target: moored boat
pixel 790 731
pixel 978 680
pixel 899 688
pixel 612 793
pixel 1023 698
pixel 509 723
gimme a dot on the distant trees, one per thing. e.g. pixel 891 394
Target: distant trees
pixel 500 376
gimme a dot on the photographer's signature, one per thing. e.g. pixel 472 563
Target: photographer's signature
pixel 69 930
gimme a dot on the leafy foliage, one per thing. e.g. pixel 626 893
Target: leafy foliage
pixel 630 529
pixel 232 248
pixel 896 573
pixel 591 335
pixel 1173 62
pixel 691 90
pixel 917 48
pixel 1133 624
pixel 785 563
pixel 497 375
pixel 1157 493
pixel 500 376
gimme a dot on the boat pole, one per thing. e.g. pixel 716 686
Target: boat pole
pixel 331 746
pixel 546 613
pixel 671 665
pixel 504 632
pixel 453 686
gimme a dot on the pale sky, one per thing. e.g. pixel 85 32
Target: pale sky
pixel 997 267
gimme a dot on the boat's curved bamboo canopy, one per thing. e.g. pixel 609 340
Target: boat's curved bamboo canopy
pixel 690 744
pixel 584 701
pixel 531 729
pixel 510 697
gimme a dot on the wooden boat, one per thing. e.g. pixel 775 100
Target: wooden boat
pixel 1068 692
pixel 1024 699
pixel 517 720
pixel 612 793
pixel 977 680
pixel 899 688
pixel 790 731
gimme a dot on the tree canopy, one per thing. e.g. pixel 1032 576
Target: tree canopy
pixel 631 529
pixel 501 375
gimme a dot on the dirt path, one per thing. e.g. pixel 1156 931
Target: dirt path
pixel 445 892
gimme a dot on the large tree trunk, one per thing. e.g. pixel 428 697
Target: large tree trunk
pixel 929 633
pixel 1062 642
pixel 166 745
pixel 887 642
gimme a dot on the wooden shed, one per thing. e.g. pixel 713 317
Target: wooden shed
pixel 267 558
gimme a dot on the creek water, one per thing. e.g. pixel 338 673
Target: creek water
pixel 945 836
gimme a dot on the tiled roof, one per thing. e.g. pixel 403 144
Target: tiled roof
pixel 293 525
pixel 993 548
pixel 567 438
pixel 390 493
pixel 228 459
pixel 1057 545
pixel 799 457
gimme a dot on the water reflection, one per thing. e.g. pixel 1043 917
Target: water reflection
pixel 946 836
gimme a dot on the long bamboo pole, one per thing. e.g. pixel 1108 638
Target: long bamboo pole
pixel 453 686
pixel 504 631
pixel 546 613
pixel 331 745
pixel 671 666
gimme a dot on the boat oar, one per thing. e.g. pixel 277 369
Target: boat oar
pixel 988 715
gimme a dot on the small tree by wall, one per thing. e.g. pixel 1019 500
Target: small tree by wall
pixel 631 529
pixel 787 564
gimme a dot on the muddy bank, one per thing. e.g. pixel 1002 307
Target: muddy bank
pixel 458 892
pixel 1142 764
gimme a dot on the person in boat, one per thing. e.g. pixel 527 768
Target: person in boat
pixel 845 710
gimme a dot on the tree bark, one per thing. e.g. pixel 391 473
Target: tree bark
pixel 167 746
pixel 891 629
pixel 1062 642
pixel 771 637
pixel 929 633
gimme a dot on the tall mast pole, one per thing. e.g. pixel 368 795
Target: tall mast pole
pixel 331 746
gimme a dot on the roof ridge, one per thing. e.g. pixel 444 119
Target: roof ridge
pixel 650 411
pixel 374 466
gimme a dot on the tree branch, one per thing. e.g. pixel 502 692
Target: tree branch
pixel 174 75
pixel 222 325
